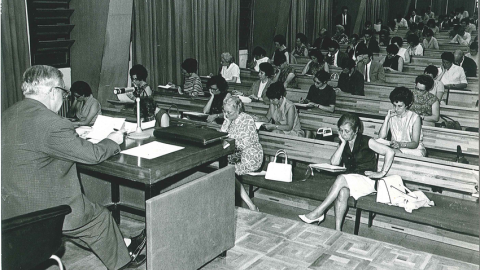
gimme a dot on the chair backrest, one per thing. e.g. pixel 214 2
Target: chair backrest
pixel 31 239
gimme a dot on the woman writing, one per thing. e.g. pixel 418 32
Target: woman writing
pixel 259 88
pixel 193 83
pixel 321 95
pixel 358 153
pixel 217 86
pixel 404 125
pixel 425 104
pixel 85 108
pixel 282 113
pixel 138 75
pixel 285 73
pixel 392 62
pixel 316 63
pixel 248 155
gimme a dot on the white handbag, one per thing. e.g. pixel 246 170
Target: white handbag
pixel 389 188
pixel 279 171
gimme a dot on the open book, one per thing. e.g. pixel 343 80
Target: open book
pixel 327 167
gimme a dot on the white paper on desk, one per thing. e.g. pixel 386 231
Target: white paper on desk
pixel 195 113
pixel 132 127
pixel 103 126
pixel 259 124
pixel 164 86
pixel 205 76
pixel 124 98
pixel 152 150
pixel 327 167
pixel 257 173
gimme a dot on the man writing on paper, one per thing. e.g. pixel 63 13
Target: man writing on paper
pixel 39 154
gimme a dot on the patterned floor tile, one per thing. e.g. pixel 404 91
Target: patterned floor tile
pixel 356 246
pixel 266 263
pixel 279 227
pixel 237 258
pixel 247 218
pixel 396 257
pixel 259 242
pixel 442 263
pixel 299 253
pixel 339 262
pixel 317 236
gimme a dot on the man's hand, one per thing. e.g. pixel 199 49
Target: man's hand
pixel 116 136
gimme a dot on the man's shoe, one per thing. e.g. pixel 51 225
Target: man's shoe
pixel 135 263
pixel 137 243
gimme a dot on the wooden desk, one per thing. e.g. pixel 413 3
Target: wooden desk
pixel 154 175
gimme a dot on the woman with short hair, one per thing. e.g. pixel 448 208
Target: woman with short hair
pixel 430 42
pixel 438 88
pixel 193 83
pixel 392 62
pixel 401 51
pixel 321 95
pixel 300 45
pixel 316 63
pixel 259 88
pixel 426 105
pixel 138 75
pixel 281 47
pixel 414 47
pixel 285 73
pixel 230 71
pixel 85 108
pixel 259 56
pixel 404 125
pixel 218 88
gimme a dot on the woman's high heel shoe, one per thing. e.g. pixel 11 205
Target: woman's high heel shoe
pixel 309 221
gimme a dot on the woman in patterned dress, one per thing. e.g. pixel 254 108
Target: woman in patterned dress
pixel 285 73
pixel 138 75
pixel 405 125
pixel 248 155
pixel 425 104
pixel 316 64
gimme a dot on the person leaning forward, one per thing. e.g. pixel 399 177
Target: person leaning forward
pixel 40 150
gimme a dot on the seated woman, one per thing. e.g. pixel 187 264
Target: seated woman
pixel 259 88
pixel 230 71
pixel 401 51
pixel 248 155
pixel 401 22
pixel 351 80
pixel 321 95
pixel 426 105
pixel 438 88
pixel 138 75
pixel 300 45
pixel 414 48
pixel 404 125
pixel 392 62
pixel 285 73
pixel 384 38
pixel 357 152
pixel 433 26
pixel 316 63
pixel 281 47
pixel 217 86
pixel 430 42
pixel 259 57
pixel 85 108
pixel 193 83
pixel 340 35
pixel 282 113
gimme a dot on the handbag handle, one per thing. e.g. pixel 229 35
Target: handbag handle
pixel 281 151
pixel 168 111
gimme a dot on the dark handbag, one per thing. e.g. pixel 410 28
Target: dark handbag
pixel 450 123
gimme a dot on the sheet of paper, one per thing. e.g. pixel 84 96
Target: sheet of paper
pixel 124 98
pixel 205 76
pixel 152 150
pixel 245 99
pixel 103 126
pixel 195 113
pixel 259 124
pixel 165 86
pixel 327 167
pixel 257 173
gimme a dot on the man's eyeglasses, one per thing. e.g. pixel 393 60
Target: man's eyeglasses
pixel 66 93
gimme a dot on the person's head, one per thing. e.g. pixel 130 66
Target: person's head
pixel 189 66
pixel 279 41
pixel 391 24
pixel 340 29
pixel 392 50
pixel 424 82
pixel 80 90
pixel 398 18
pixel 413 13
pixel 45 84
pixel 368 34
pixel 420 26
pixel 217 84
pixel 258 52
pixel 428 33
pixel 413 40
pixel 300 39
pixel 355 39
pixel 364 55
pixel 458 56
pixel 232 107
pixel 431 71
pixel 316 56
pixel 397 41
pixel 323 33
pixel 379 21
pixel 345 10
pixel 431 23
pixel 464 22
pixel 226 59
pixel 348 126
pixel 276 92
pixel 368 25
pixel 474 48
pixel 348 64
pixel 402 99
pixel 266 71
pixel 333 46
pixel 447 59
pixel 279 59
pixel 459 30
pixel 321 78
pixel 138 73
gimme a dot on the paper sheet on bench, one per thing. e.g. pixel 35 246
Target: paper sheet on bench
pixel 195 113
pixel 124 98
pixel 257 173
pixel 103 126
pixel 167 86
pixel 259 124
pixel 152 150
pixel 328 167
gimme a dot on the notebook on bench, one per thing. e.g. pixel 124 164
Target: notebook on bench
pixel 195 135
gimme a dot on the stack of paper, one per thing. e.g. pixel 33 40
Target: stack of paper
pixel 103 126
pixel 124 98
pixel 327 167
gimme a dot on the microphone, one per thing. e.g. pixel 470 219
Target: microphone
pixel 117 91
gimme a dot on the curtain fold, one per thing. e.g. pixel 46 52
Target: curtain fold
pixel 297 21
pixel 15 51
pixel 169 31
pixel 323 16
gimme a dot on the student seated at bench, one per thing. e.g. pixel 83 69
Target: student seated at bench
pixel 321 95
pixel 217 86
pixel 358 153
pixel 282 113
pixel 438 88
pixel 284 73
pixel 259 88
pixel 426 105
pixel 351 80
pixel 404 125
pixel 193 84
pixel 451 75
pixel 316 63
pixel 392 62
pixel 259 57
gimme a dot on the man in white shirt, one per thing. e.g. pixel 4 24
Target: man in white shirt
pixel 462 37
pixel 451 75
pixel 473 53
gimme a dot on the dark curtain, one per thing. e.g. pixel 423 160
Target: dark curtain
pixel 15 51
pixel 297 22
pixel 169 31
pixel 323 16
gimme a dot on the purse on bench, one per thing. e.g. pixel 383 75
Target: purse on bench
pixel 279 171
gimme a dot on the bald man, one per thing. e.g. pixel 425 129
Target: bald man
pixel 468 64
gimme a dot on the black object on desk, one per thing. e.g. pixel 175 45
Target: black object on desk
pixel 190 134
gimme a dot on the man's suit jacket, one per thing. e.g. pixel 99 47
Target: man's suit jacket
pixel 40 150
pixel 372 45
pixel 377 74
pixel 340 58
pixel 255 88
pixel 354 84
pixel 418 19
pixel 339 21
pixel 469 66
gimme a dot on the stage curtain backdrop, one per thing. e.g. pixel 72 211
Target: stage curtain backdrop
pixel 297 23
pixel 371 10
pixel 169 31
pixel 15 51
pixel 323 16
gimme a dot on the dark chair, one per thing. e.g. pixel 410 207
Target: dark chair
pixel 33 238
